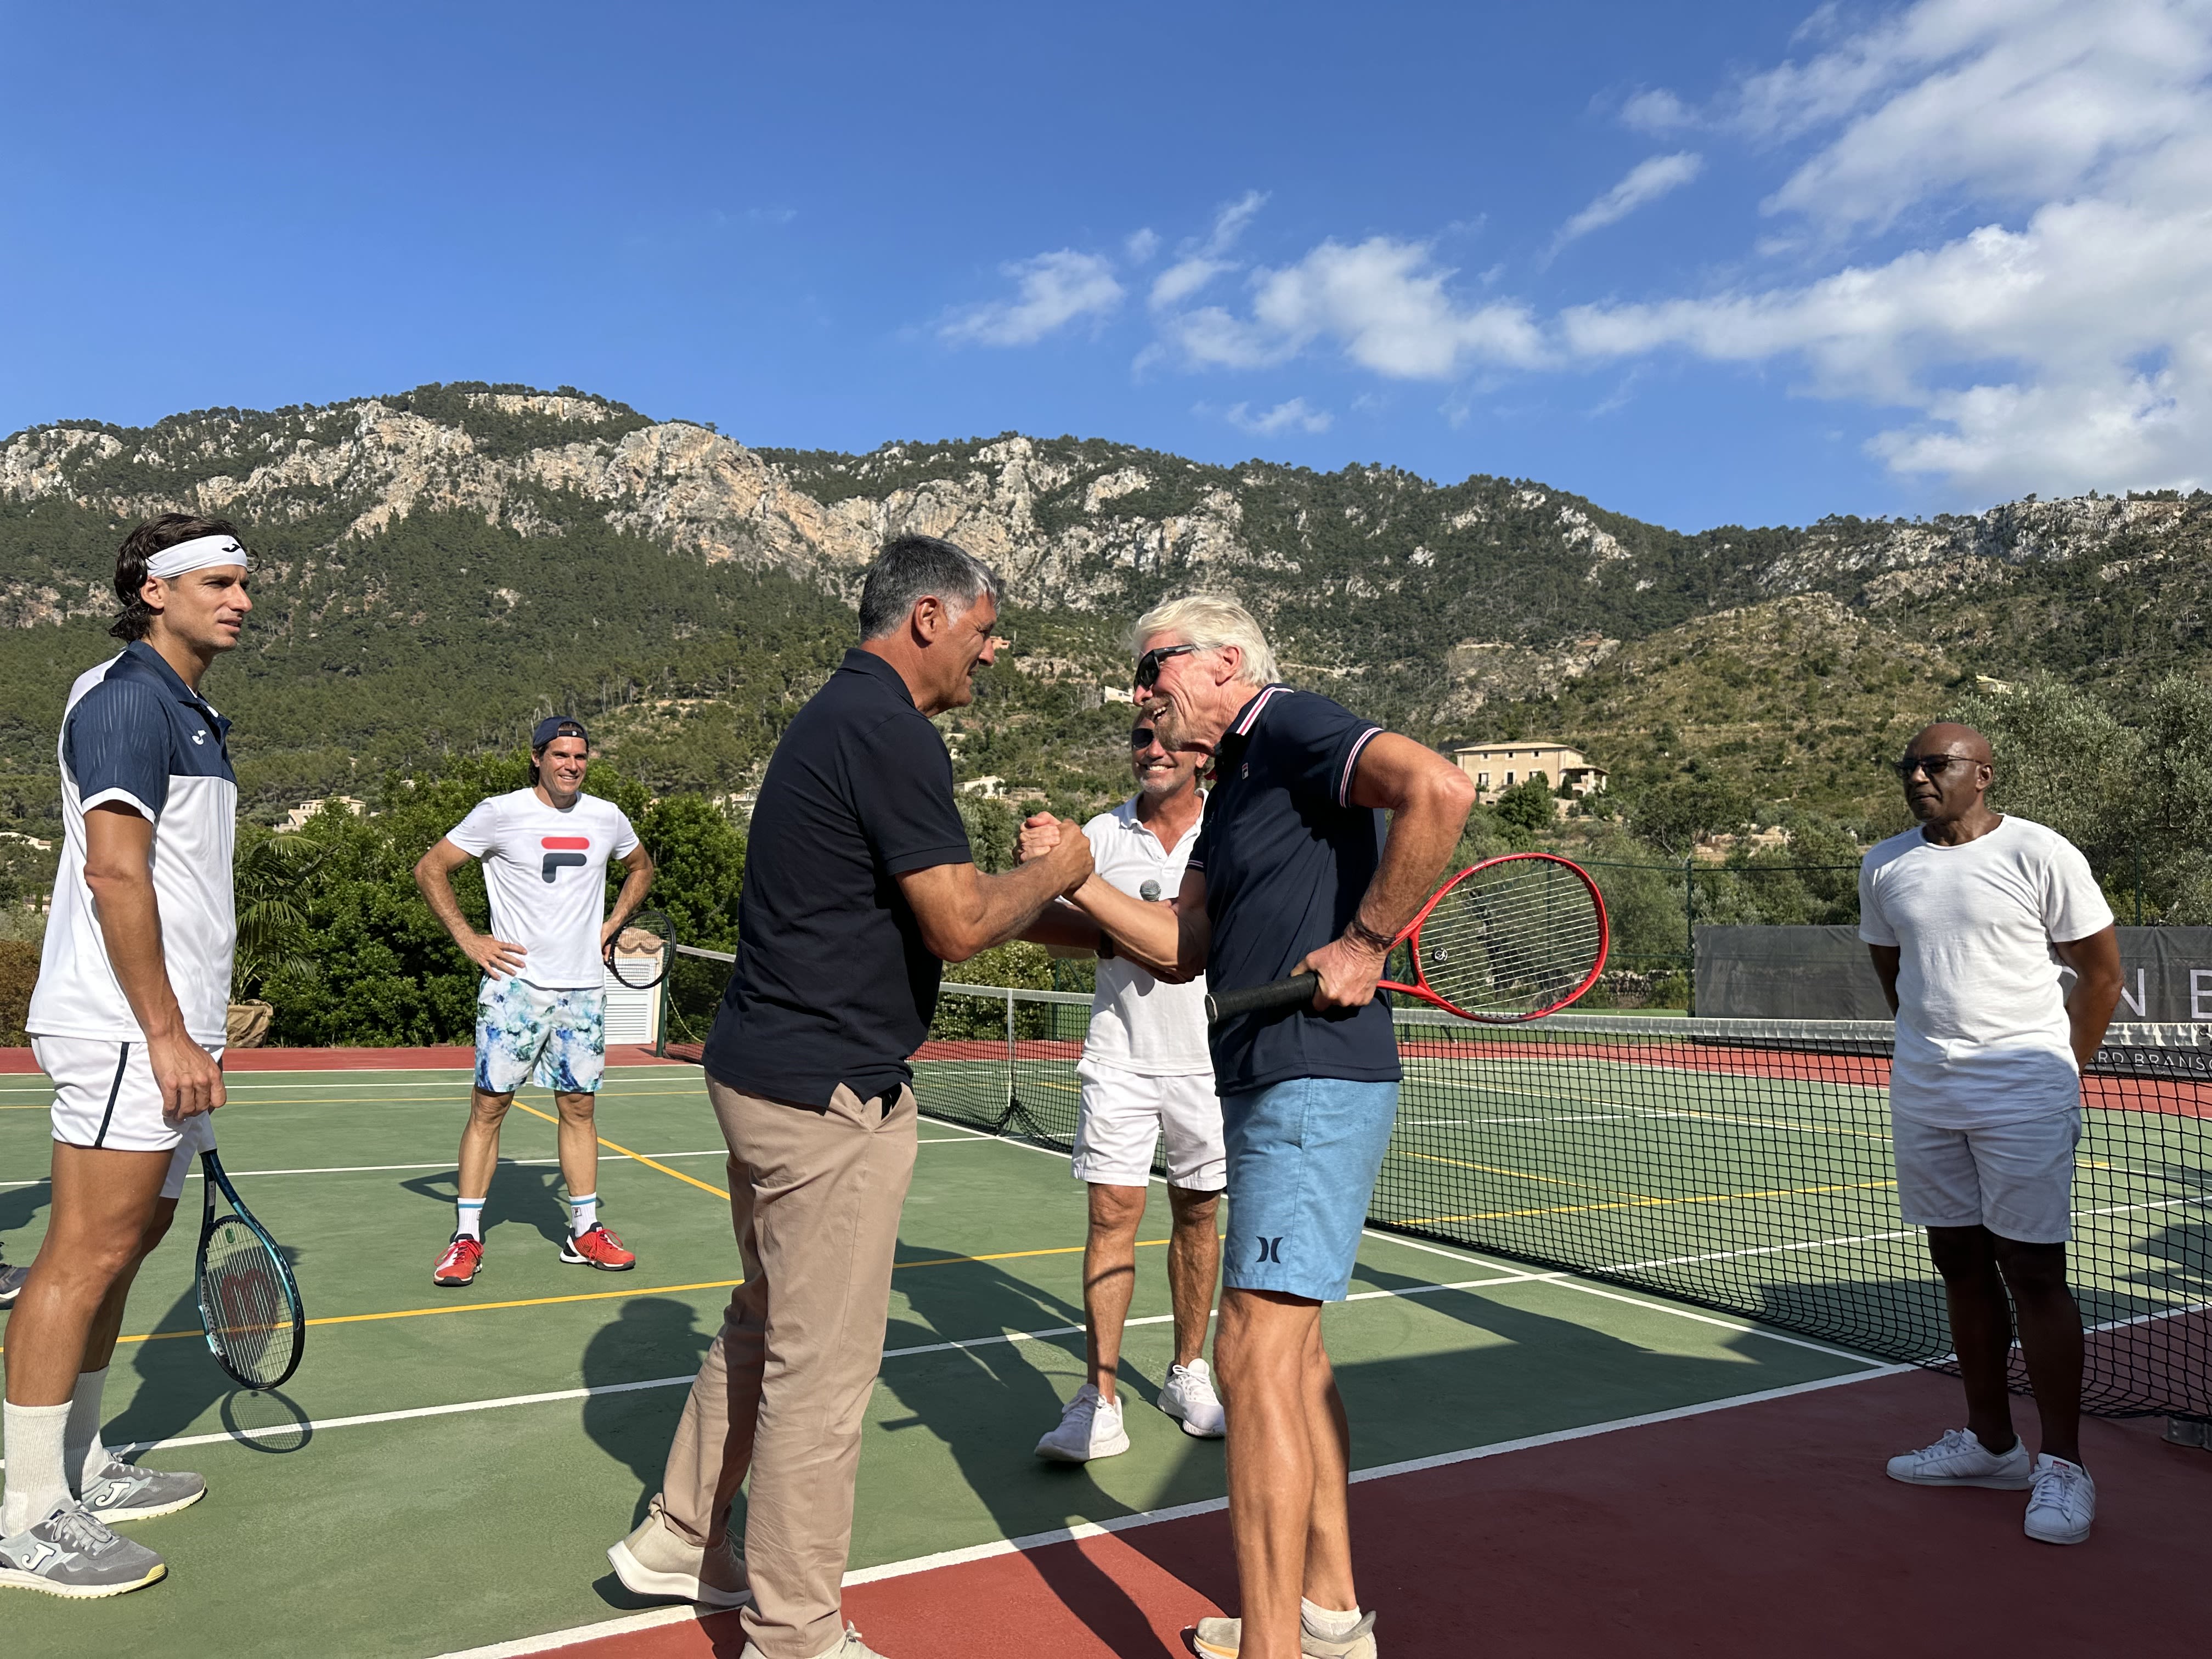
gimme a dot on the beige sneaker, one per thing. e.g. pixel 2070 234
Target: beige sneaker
pixel 654 1561
pixel 849 1646
pixel 1218 1638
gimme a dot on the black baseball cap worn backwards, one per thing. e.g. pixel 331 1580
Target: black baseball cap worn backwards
pixel 556 725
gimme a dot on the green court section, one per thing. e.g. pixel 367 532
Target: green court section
pixel 421 1534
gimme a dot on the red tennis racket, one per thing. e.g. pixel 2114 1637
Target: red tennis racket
pixel 1506 940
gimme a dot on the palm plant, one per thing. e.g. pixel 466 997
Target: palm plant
pixel 269 876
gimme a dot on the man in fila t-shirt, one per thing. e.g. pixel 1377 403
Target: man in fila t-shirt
pixel 540 1011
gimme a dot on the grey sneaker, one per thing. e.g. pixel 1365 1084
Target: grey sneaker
pixel 11 1284
pixel 654 1561
pixel 125 1491
pixel 1089 1427
pixel 1218 1638
pixel 71 1554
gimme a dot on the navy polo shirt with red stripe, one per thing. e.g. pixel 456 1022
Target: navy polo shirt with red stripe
pixel 1287 859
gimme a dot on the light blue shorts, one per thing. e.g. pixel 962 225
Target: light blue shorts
pixel 556 1039
pixel 1302 1159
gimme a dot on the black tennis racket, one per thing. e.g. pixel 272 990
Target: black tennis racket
pixel 639 954
pixel 1506 940
pixel 249 1301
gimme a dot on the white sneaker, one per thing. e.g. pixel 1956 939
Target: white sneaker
pixel 1090 1427
pixel 2063 1503
pixel 1960 1460
pixel 1188 1397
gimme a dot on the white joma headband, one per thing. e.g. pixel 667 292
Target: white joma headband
pixel 197 555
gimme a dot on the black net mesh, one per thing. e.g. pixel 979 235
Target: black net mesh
pixel 1742 1165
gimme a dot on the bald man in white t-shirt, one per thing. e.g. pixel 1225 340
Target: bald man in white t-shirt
pixel 1147 1075
pixel 1969 917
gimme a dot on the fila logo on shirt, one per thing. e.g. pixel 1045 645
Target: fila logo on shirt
pixel 567 850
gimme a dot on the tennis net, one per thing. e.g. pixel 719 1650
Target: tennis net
pixel 1740 1165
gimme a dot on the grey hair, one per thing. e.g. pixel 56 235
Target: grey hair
pixel 911 569
pixel 1210 621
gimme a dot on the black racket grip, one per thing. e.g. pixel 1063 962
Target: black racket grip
pixel 1283 994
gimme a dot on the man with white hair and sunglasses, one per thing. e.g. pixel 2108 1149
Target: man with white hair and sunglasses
pixel 128 1020
pixel 1293 871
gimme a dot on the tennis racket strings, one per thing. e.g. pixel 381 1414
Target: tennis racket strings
pixel 639 954
pixel 247 1307
pixel 1514 937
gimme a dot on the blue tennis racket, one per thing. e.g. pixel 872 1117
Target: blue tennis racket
pixel 250 1305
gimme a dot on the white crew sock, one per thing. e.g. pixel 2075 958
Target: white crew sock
pixel 36 1481
pixel 583 1212
pixel 84 1456
pixel 469 1219
pixel 1326 1623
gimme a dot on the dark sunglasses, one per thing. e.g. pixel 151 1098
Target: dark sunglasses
pixel 1148 665
pixel 1141 737
pixel 1934 765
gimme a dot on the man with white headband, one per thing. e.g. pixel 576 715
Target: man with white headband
pixel 127 1020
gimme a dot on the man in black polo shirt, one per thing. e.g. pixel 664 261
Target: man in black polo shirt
pixel 1293 871
pixel 858 881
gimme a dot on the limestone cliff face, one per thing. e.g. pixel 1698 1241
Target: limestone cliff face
pixel 1485 589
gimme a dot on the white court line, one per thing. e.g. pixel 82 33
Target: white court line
pixel 557 1639
pixel 461 1407
pixel 377 1079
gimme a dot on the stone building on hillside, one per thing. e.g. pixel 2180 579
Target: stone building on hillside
pixel 1497 767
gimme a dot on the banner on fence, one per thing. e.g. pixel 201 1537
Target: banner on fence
pixel 1824 973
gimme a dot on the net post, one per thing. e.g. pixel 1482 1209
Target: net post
pixel 1013 1072
pixel 660 1005
pixel 1690 924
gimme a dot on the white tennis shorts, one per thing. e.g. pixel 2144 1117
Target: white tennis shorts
pixel 2015 1179
pixel 105 1096
pixel 1125 1113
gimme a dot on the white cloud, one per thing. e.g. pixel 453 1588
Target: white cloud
pixel 2066 341
pixel 1647 181
pixel 1283 417
pixel 1657 111
pixel 1383 303
pixel 1201 259
pixel 1052 290
pixel 1141 246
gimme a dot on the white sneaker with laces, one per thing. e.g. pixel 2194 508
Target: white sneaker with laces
pixel 2063 1501
pixel 1960 1460
pixel 1188 1397
pixel 1090 1427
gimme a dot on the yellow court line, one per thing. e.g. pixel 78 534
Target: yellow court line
pixel 382 1100
pixel 608 1296
pixel 651 1163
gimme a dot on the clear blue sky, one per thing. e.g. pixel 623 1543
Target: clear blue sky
pixel 1703 262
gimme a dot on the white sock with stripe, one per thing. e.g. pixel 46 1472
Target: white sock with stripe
pixel 583 1212
pixel 84 1456
pixel 469 1213
pixel 36 1480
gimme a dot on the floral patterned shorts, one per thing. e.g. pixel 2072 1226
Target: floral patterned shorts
pixel 556 1039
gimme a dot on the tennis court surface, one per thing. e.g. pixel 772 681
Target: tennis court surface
pixel 1675 1449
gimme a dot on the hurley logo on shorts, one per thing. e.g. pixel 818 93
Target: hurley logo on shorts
pixel 1271 1249
pixel 557 860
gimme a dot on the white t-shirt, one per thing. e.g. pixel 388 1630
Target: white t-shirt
pixel 1981 1016
pixel 546 871
pixel 1138 1022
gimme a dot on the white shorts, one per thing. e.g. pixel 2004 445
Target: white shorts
pixel 1123 1116
pixel 2015 1179
pixel 105 1096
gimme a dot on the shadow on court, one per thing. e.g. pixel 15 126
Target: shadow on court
pixel 529 1193
pixel 652 1337
pixel 19 1207
pixel 178 1382
pixel 989 1404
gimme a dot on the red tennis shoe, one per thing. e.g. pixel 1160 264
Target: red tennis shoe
pixel 459 1263
pixel 595 1247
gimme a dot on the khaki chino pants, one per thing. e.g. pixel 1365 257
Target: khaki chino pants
pixel 815 1196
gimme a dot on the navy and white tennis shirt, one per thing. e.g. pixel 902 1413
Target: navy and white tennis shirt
pixel 1287 857
pixel 133 732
